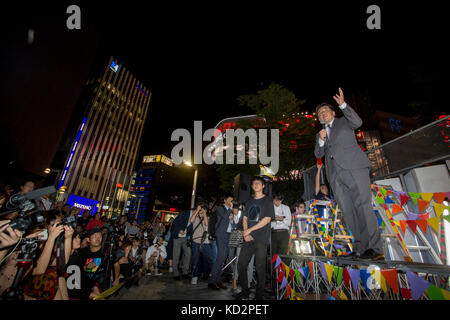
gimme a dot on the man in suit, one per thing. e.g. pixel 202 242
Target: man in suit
pixel 181 226
pixel 224 215
pixel 347 169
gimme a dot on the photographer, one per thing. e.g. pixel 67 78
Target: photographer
pixel 136 255
pixel 122 263
pixel 8 263
pixel 45 283
pixel 155 256
pixel 201 245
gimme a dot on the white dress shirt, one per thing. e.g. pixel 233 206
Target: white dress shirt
pixel 322 142
pixel 282 210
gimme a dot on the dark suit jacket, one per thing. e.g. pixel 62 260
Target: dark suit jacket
pixel 180 223
pixel 341 146
pixel 223 219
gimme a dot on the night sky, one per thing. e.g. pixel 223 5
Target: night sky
pixel 198 58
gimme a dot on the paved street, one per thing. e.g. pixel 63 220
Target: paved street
pixel 166 288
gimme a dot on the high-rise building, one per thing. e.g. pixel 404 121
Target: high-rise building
pixel 101 145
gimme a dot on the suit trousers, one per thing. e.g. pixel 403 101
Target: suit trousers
pixel 352 192
pixel 280 241
pixel 179 245
pixel 222 254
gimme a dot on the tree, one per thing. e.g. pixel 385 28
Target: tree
pixel 281 110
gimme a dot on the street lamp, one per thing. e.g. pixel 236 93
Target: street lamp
pixel 194 186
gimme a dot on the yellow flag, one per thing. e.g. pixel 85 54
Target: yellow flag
pixel 446 294
pixel 397 223
pixel 434 223
pixel 426 196
pixel 287 271
pixel 342 296
pixel 329 269
pixel 439 209
pixel 379 279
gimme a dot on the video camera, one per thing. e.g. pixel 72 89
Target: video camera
pixel 23 203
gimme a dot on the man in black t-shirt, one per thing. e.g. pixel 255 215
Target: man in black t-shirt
pixel 93 258
pixel 258 214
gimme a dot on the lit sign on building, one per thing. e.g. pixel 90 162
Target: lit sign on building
pixel 71 153
pixel 395 124
pixel 83 203
pixel 114 67
pixel 158 158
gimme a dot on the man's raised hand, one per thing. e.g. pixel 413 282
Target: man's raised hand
pixel 339 98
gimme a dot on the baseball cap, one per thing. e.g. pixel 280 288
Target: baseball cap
pixel 92 231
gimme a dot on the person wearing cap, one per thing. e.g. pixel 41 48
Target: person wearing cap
pixel 347 169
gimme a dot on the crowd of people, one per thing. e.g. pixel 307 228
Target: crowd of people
pixel 79 255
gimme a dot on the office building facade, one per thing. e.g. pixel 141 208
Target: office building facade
pixel 102 155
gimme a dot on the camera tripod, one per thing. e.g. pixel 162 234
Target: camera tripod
pixel 29 247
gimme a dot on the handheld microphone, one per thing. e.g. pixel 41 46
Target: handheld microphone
pixel 323 123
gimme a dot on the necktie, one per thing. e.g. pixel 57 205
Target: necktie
pixel 328 130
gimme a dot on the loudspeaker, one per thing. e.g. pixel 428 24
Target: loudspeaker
pixel 242 187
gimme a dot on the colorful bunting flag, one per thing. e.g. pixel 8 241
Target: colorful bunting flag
pixel 288 290
pixel 434 223
pixel 334 294
pixel 423 224
pixel 406 293
pixel 417 284
pixel 274 258
pixel 322 270
pixel 311 267
pixel 426 196
pixel 403 225
pixel 379 279
pixel 422 204
pixel 354 275
pixel 339 273
pixel 305 272
pixel 414 195
pixel 364 278
pixel 278 261
pixel 412 225
pixel 346 277
pixel 424 216
pixel 403 199
pixel 280 277
pixel 297 276
pixel 439 209
pixel 283 283
pixel 287 270
pixel 342 296
pixel 435 293
pixel 383 191
pixel 396 208
pixel 447 217
pixel 329 270
pixel 439 197
pixel 380 200
pixel 446 294
pixel 390 275
pixel 389 200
